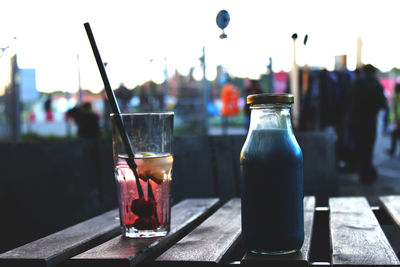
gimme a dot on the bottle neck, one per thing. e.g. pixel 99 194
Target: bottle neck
pixel 270 116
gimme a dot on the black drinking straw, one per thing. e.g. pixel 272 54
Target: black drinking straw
pixel 114 108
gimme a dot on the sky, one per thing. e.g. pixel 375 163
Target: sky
pixel 140 39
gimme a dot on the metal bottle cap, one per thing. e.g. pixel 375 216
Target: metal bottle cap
pixel 270 99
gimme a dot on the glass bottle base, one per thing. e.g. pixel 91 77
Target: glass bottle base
pixel 267 252
pixel 134 233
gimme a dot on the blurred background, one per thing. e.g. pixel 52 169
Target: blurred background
pixel 169 56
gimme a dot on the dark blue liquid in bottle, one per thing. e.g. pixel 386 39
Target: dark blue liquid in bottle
pixel 272 183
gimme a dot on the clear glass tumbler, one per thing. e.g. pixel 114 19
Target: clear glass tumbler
pixel 144 200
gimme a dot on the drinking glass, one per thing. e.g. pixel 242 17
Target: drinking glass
pixel 144 200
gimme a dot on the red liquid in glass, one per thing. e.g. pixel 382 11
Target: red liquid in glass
pixel 147 215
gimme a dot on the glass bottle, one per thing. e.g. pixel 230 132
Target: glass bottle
pixel 271 170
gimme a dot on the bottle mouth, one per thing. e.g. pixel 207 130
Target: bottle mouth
pixel 270 99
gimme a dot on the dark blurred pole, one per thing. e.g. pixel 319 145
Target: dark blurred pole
pixel 294 86
pixel 165 86
pixel 15 103
pixel 67 124
pixel 79 81
pixel 359 52
pixel 205 93
pixel 271 88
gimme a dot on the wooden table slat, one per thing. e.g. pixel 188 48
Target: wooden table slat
pixel 356 236
pixel 52 249
pixel 127 251
pixel 392 206
pixel 300 258
pixel 356 239
pixel 210 242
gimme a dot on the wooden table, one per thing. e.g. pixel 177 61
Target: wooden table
pixel 203 232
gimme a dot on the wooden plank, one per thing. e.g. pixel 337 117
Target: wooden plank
pixel 51 250
pixel 356 237
pixel 392 206
pixel 209 243
pixel 300 258
pixel 127 252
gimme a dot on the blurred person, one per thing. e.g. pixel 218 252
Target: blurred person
pixel 31 116
pixel 48 109
pixel 252 87
pixel 229 97
pixel 86 119
pixel 366 99
pixel 395 116
pixel 160 97
pixel 385 120
pixel 31 120
pixel 123 96
pixel 145 104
